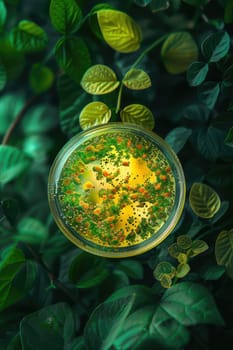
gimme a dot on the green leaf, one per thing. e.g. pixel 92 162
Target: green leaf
pixel 41 78
pixel 12 60
pixel 73 57
pixel 28 37
pixel 87 271
pixel 31 230
pixel 216 46
pixel 178 137
pixel 197 73
pixel 224 250
pixel 184 242
pixel 204 201
pixel 178 51
pixel 138 114
pixel 166 281
pixel 10 266
pixel 164 268
pixel 13 163
pixel 182 258
pixel 10 106
pixel 66 15
pixel 159 5
pixel 174 250
pixel 105 323
pixel 197 113
pixel 3 76
pixel 228 12
pixel 95 113
pixel 50 327
pixel 119 30
pixel 3 14
pixel 182 270
pixel 99 79
pixel 198 247
pixel 229 138
pixel 190 304
pixel 212 272
pixel 208 93
pixel 93 20
pixel 132 268
pixel 40 119
pixel 136 79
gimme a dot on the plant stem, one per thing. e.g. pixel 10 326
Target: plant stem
pixel 17 119
pixel 118 106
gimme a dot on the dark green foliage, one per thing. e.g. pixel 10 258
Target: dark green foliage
pixel 52 294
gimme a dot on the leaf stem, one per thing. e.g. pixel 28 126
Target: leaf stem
pixel 17 119
pixel 118 106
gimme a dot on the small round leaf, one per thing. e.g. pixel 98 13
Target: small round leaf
pixel 182 270
pixel 166 281
pixel 174 250
pixel 138 114
pixel 164 268
pixel 184 241
pixel 204 201
pixel 93 114
pixel 119 30
pixel 136 79
pixel 179 50
pixel 99 79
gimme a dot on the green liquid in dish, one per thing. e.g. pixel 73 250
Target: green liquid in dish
pixel 116 190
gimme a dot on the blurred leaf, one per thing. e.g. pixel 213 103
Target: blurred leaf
pixel 73 57
pixel 164 268
pixel 198 247
pixel 119 30
pixel 204 201
pixel 197 73
pixel 190 304
pixel 28 37
pixel 10 106
pixel 138 114
pixel 40 119
pixel 224 250
pixel 51 327
pixel 182 270
pixel 212 272
pixel 221 175
pixel 41 78
pixel 106 321
pixel 228 76
pixel 178 137
pixel 31 230
pixel 87 271
pixel 37 147
pixel 228 12
pixel 216 46
pixel 132 268
pixel 136 79
pixel 229 138
pixel 95 113
pixel 15 343
pixel 13 163
pixel 159 5
pixel 208 93
pixel 99 79
pixel 12 60
pixel 178 51
pixel 3 76
pixel 66 15
pixel 3 14
pixel 197 113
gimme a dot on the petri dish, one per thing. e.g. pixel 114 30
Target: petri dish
pixel 116 190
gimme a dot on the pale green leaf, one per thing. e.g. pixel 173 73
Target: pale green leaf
pixel 119 30
pixel 182 258
pixel 93 114
pixel 73 57
pixel 166 281
pixel 204 201
pixel 99 79
pixel 224 250
pixel 182 270
pixel 138 114
pixel 41 78
pixel 28 37
pixel 136 79
pixel 164 268
pixel 13 163
pixel 65 15
pixel 198 247
pixel 179 50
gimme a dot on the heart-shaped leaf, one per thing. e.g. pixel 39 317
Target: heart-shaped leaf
pixel 203 200
pixel 136 79
pixel 197 73
pixel 119 30
pixel 138 114
pixel 99 79
pixel 95 113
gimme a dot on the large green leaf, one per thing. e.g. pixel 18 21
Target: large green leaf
pixel 190 304
pixel 224 250
pixel 179 50
pixel 99 79
pixel 138 114
pixel 136 79
pixel 106 322
pixel 28 37
pixel 40 78
pixel 204 201
pixel 3 14
pixel 95 113
pixel 73 57
pixel 65 15
pixel 216 46
pixel 178 137
pixel 197 73
pixel 119 30
pixel 31 230
pixel 52 327
pixel 13 163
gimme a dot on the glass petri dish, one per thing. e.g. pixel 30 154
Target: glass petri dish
pixel 116 190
